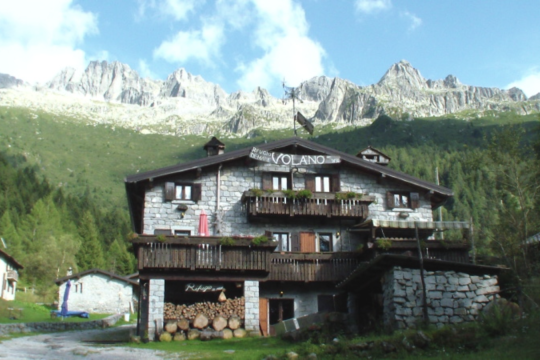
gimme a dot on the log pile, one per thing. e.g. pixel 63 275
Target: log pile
pixel 226 309
pixel 205 320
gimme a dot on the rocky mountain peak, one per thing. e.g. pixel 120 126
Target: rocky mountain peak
pixel 403 74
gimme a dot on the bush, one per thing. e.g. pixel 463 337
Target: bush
pixel 499 317
pixel 259 240
pixel 227 241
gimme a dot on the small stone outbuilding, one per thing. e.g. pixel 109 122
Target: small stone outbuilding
pixel 99 291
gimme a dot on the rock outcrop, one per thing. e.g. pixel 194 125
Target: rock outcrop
pixel 187 104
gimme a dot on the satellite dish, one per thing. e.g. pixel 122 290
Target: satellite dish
pixel 308 126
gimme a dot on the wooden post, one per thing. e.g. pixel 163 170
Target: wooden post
pixel 421 258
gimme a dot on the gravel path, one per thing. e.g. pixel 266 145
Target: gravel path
pixel 80 344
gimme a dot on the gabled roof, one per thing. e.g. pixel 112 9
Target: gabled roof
pixel 214 142
pixel 374 150
pixel 293 141
pixel 11 259
pixel 60 281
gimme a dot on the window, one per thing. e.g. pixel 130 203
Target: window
pixel 283 241
pixel 403 199
pixel 275 181
pixel 322 183
pixel 166 232
pixel 325 242
pixel 182 191
pixel 182 233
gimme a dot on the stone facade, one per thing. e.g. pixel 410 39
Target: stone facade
pixel 231 218
pixel 251 295
pixel 98 293
pixel 452 297
pixel 155 305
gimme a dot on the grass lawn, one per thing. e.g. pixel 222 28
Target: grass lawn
pixel 23 312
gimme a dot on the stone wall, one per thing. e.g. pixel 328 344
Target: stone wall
pixel 452 297
pixel 156 302
pixel 98 293
pixel 251 295
pixel 6 329
pixel 231 219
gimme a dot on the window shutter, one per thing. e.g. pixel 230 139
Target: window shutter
pixel 295 242
pixel 415 200
pixel 196 192
pixel 334 183
pixel 269 234
pixel 390 200
pixel 310 182
pixel 170 191
pixel 266 181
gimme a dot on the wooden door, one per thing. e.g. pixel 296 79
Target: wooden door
pixel 263 316
pixel 307 242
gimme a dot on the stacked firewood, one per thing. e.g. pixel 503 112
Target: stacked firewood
pixel 226 309
pixel 205 320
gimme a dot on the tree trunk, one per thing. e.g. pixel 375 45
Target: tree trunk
pixel 219 323
pixel 234 322
pixel 200 321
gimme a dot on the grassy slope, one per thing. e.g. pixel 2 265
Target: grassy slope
pixel 77 156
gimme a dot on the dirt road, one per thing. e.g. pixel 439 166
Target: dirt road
pixel 88 344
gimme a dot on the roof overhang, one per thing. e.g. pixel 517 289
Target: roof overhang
pixel 368 272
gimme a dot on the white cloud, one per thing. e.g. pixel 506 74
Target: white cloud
pixel 372 6
pixel 282 33
pixel 177 9
pixel 415 20
pixel 38 38
pixel 202 45
pixel 530 83
pixel 144 70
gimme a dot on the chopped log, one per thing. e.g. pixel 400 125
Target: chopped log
pixel 193 334
pixel 219 323
pixel 234 322
pixel 183 324
pixel 171 327
pixel 179 336
pixel 227 334
pixel 209 334
pixel 240 333
pixel 200 321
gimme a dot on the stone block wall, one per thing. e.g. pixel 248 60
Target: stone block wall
pixel 251 295
pixel 98 293
pixel 156 302
pixel 452 297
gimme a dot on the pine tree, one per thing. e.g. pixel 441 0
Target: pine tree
pixel 90 254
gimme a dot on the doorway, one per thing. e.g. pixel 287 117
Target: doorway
pixel 281 309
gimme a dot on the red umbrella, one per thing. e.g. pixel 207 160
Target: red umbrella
pixel 203 224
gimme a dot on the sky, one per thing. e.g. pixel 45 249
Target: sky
pixel 243 44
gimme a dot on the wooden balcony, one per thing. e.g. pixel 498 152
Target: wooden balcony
pixel 309 267
pixel 321 204
pixel 204 253
pixel 12 275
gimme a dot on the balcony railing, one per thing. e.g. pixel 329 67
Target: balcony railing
pixel 321 204
pixel 311 267
pixel 202 254
pixel 12 275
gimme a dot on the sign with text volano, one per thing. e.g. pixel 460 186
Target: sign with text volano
pixel 294 160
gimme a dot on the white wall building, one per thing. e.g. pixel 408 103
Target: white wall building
pixel 9 275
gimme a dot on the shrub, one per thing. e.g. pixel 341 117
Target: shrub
pixel 384 244
pixel 259 240
pixel 227 241
pixel 161 238
pixel 257 192
pixel 499 317
pixel 304 194
pixel 289 194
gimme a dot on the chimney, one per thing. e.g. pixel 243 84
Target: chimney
pixel 214 147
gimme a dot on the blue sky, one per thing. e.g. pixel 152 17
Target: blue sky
pixel 247 43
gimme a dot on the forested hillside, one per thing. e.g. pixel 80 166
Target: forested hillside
pixel 62 197
pixel 49 231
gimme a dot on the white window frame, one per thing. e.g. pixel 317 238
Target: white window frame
pixel 322 183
